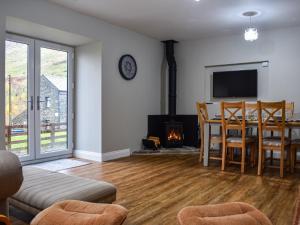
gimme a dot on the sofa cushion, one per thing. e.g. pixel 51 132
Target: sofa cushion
pixel 234 213
pixel 42 188
pixel 81 213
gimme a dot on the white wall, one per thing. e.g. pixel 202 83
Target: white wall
pixel 124 104
pixel 88 133
pixel 280 47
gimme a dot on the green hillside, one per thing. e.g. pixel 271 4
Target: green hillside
pixel 53 62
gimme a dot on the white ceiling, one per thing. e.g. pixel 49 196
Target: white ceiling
pixel 187 19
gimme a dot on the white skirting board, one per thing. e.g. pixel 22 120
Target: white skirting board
pixel 116 154
pixel 100 157
pixel 93 156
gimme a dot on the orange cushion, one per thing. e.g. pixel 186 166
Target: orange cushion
pixel 81 213
pixel 235 213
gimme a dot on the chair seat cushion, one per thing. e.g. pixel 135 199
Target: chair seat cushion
pixel 216 137
pixel 239 139
pixel 275 141
pixel 42 188
pixel 81 213
pixel 222 214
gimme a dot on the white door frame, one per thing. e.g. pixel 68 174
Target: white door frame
pixel 33 83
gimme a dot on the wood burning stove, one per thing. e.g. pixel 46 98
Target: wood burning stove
pixel 173 134
pixel 173 130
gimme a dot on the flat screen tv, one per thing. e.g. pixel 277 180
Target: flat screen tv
pixel 231 84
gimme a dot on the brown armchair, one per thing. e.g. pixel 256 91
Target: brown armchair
pixel 11 178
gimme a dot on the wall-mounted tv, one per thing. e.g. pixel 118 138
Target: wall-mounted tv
pixel 232 84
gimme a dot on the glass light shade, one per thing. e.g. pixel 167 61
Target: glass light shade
pixel 251 34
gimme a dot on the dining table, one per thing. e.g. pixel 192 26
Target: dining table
pixel 292 122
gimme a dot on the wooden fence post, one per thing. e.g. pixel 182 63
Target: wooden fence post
pixel 52 134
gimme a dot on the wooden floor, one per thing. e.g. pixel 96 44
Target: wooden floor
pixel 155 188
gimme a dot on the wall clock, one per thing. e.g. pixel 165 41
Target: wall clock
pixel 127 67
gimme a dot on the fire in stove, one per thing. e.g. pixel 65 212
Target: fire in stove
pixel 174 135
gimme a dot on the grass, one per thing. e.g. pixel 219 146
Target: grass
pixel 23 145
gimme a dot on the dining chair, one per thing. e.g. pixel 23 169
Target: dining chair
pixel 289 112
pixel 214 139
pixel 234 118
pixel 271 118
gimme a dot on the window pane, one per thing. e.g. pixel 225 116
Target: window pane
pixel 16 97
pixel 54 100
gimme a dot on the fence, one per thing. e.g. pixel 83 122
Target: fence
pixel 51 135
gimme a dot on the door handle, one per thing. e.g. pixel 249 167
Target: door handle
pixel 31 103
pixel 38 100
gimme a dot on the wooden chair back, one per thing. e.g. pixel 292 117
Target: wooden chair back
pixel 271 117
pixel 202 114
pixel 233 117
pixel 251 109
pixel 251 114
pixel 289 108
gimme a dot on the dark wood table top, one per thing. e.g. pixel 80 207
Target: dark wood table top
pixel 294 121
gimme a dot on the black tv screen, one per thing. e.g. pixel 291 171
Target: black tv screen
pixel 241 83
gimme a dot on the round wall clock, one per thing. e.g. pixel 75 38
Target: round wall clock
pixel 127 67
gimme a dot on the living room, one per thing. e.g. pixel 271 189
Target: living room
pixel 85 108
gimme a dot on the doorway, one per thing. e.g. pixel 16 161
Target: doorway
pixel 38 94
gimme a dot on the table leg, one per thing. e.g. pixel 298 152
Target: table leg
pixel 206 144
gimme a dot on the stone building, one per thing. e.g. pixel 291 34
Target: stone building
pixel 54 101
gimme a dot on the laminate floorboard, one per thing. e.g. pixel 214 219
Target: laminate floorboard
pixel 155 188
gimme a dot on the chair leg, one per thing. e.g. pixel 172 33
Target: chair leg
pixel 224 149
pixel 263 160
pixel 259 162
pixel 293 156
pixel 201 152
pixel 243 158
pixel 282 163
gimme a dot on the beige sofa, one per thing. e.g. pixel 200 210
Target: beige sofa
pixel 42 188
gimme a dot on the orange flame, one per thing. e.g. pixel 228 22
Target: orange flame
pixel 173 135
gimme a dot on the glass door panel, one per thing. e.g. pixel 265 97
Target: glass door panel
pixel 53 100
pixel 52 87
pixel 38 95
pixel 19 97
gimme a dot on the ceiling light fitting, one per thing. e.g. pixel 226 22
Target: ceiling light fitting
pixel 251 33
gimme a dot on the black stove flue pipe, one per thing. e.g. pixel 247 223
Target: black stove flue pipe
pixel 169 50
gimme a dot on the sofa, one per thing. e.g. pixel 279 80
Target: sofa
pixel 11 178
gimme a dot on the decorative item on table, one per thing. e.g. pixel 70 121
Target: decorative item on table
pixel 151 143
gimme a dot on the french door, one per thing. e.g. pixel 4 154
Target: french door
pixel 38 89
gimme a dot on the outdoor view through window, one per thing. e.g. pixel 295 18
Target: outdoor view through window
pixel 36 104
